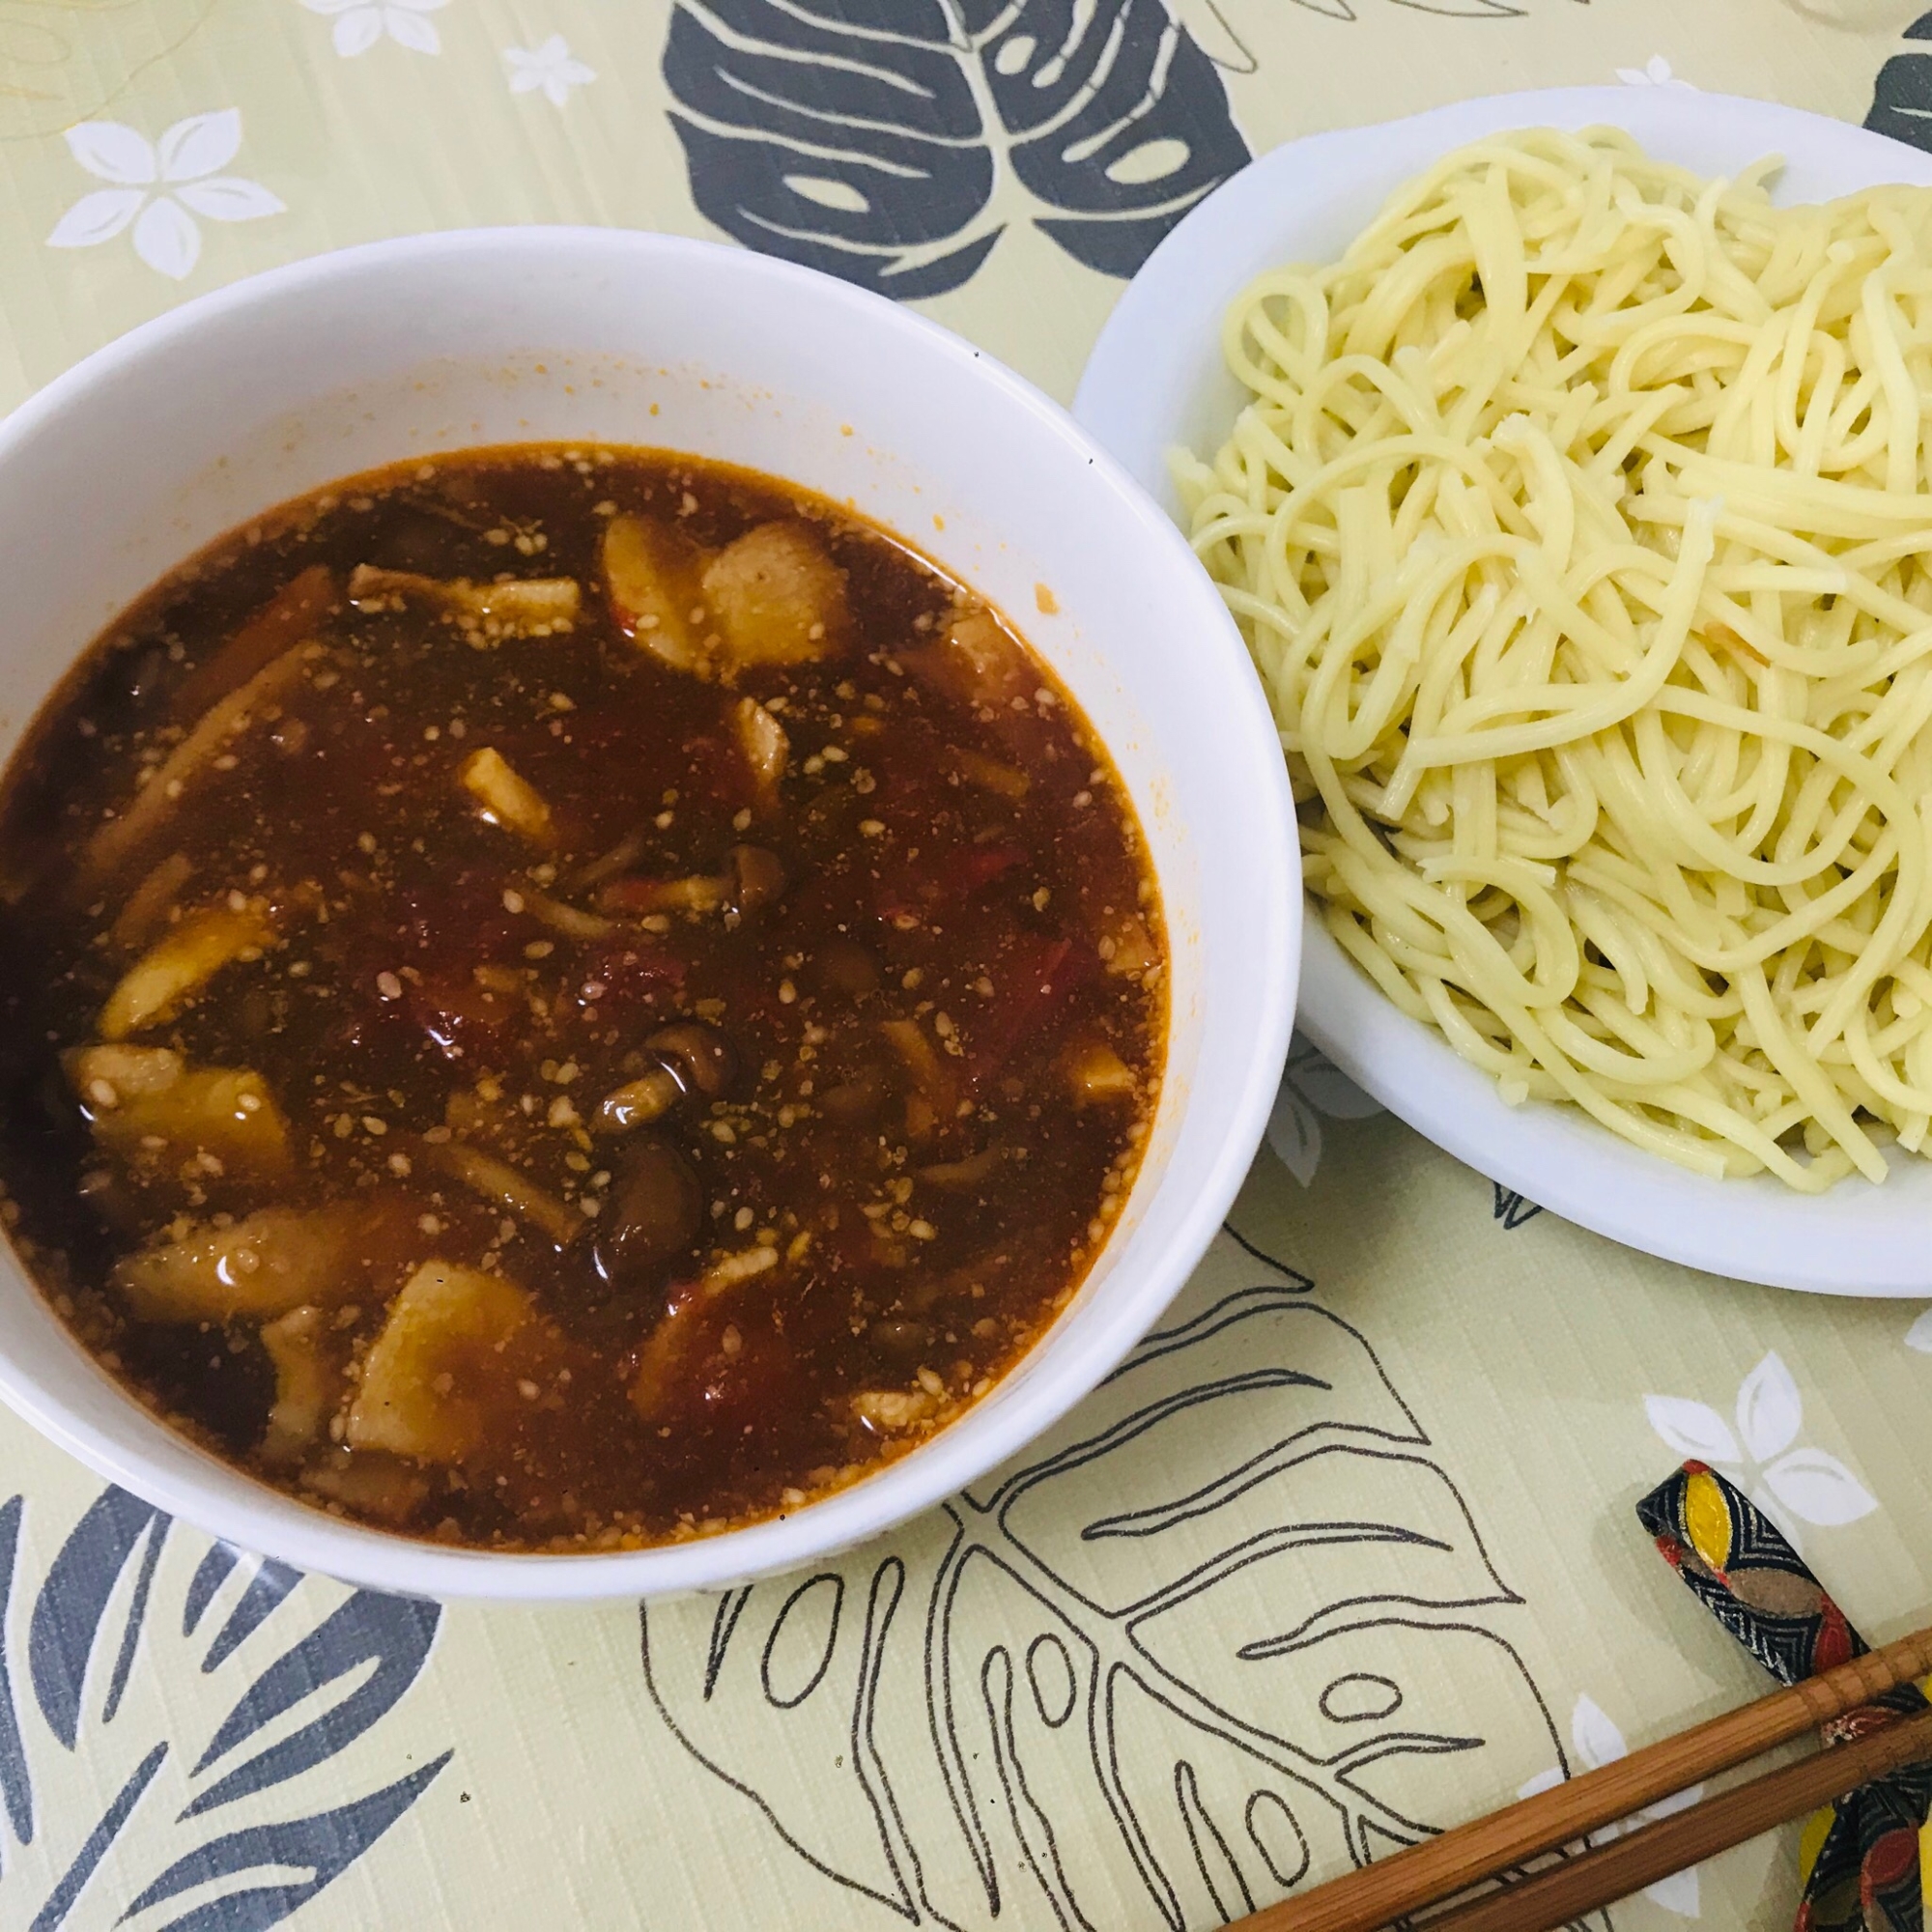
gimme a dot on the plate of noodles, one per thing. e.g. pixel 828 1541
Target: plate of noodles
pixel 1564 458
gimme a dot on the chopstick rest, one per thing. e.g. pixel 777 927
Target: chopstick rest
pixel 1859 1860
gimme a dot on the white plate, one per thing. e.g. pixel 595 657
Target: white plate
pixel 1155 378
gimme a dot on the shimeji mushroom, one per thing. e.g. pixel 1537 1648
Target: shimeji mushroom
pixel 517 607
pixel 507 798
pixel 762 740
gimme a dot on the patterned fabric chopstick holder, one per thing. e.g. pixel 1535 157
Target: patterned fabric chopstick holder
pixel 1866 1863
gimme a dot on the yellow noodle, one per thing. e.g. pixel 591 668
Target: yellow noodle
pixel 1580 527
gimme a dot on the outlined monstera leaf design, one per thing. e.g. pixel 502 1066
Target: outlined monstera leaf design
pixel 230 1842
pixel 891 141
pixel 1229 1625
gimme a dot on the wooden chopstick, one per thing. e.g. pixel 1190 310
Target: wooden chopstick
pixel 1627 1864
pixel 1440 1867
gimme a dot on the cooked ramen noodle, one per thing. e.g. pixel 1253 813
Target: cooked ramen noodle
pixel 1577 526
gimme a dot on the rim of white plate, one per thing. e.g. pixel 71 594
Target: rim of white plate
pixel 1155 378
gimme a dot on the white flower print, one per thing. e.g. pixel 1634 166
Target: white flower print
pixel 1312 1086
pixel 549 67
pixel 1598 1742
pixel 1654 73
pixel 1789 1485
pixel 159 188
pixel 360 23
pixel 1919 1335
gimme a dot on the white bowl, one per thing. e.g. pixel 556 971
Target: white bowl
pixel 201 419
pixel 1157 379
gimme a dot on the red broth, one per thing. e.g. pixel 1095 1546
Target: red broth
pixel 561 999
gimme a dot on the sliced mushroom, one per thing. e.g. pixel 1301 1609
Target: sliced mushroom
pixel 266 1263
pixel 777 596
pixel 989 773
pixel 368 1481
pixel 569 919
pixel 638 1102
pixel 671 1337
pixel 308 1358
pixel 293 615
pixel 526 606
pixel 758 879
pixel 1130 947
pixel 212 1124
pixel 972 1172
pixel 652 572
pixel 1096 1075
pixel 856 1102
pixel 422 1391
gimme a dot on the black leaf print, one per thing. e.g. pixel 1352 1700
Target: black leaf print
pixel 1902 95
pixel 395 1633
pixel 324 1846
pixel 16 1784
pixel 871 137
pixel 210 1575
pixel 266 1587
pixel 73 1601
pixel 1229 1625
pixel 1510 1208
pixel 93 1848
pixel 345 1664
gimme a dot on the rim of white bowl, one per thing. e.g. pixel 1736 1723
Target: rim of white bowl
pixel 261 1519
pixel 1855 1239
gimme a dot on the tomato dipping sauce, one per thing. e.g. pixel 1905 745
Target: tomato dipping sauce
pixel 567 997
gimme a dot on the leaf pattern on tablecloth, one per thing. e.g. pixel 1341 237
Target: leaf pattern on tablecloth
pixel 300 1672
pixel 1790 1483
pixel 1230 1625
pixel 1312 1086
pixel 1902 94
pixel 872 138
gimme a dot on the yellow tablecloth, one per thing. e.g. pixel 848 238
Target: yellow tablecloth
pixel 1346 1553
